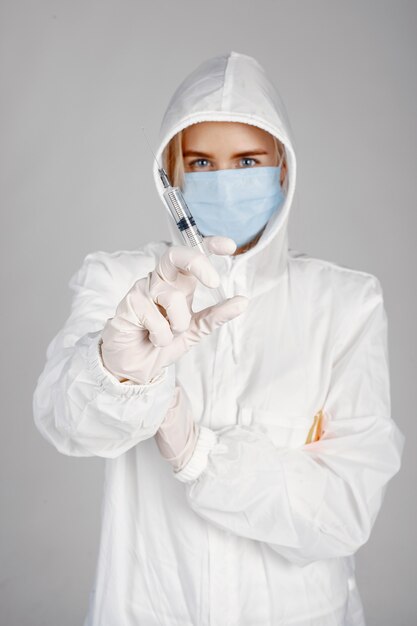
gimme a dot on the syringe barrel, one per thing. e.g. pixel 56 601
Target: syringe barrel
pixel 183 218
pixel 188 228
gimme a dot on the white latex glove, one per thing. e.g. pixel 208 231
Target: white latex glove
pixel 177 435
pixel 154 324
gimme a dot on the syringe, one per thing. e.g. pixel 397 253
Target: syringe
pixel 185 222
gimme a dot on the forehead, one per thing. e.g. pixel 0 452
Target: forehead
pixel 225 133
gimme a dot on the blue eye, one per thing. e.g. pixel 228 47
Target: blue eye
pixel 246 159
pixel 199 161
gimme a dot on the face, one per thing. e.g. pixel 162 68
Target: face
pixel 209 146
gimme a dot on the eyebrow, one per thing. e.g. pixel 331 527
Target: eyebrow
pixel 238 154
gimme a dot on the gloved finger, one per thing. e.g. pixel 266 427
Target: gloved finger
pixel 148 316
pixel 217 244
pixel 204 322
pixel 175 304
pixel 187 260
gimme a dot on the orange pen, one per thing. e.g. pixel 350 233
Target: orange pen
pixel 316 429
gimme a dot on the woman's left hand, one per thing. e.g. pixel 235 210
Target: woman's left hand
pixel 178 433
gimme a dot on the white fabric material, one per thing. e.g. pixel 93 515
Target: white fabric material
pixel 258 527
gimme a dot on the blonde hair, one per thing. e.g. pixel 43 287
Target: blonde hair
pixel 173 161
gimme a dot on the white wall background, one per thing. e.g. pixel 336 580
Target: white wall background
pixel 79 78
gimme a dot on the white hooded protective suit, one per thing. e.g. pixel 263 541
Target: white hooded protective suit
pixel 259 527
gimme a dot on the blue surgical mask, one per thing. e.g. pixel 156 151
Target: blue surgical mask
pixel 236 203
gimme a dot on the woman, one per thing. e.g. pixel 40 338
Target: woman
pixel 248 444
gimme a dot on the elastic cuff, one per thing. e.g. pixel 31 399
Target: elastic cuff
pixel 197 463
pixel 107 380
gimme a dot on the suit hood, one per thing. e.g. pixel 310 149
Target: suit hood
pixel 233 87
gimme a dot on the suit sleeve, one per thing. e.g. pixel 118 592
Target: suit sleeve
pixel 320 500
pixel 78 405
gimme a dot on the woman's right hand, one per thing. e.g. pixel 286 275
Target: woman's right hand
pixel 154 324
